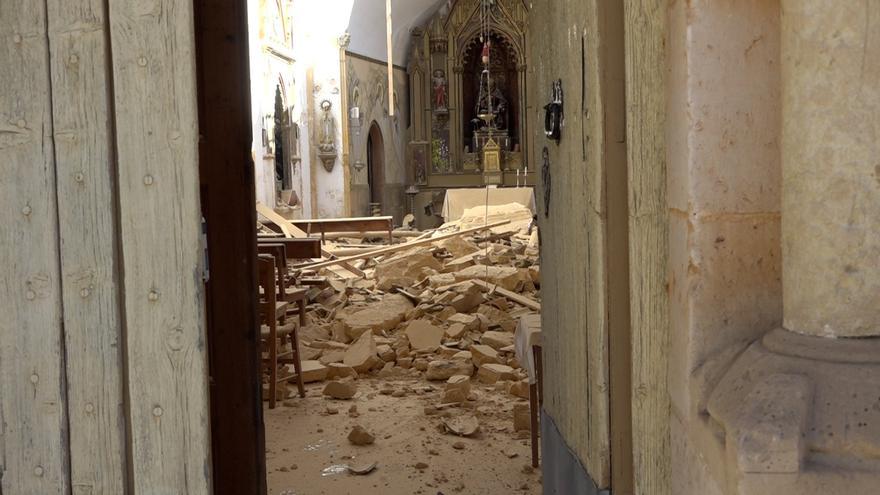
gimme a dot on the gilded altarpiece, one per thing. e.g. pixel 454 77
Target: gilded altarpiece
pixel 447 93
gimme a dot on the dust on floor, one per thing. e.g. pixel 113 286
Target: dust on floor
pixel 308 448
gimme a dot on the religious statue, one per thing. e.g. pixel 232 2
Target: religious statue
pixel 439 90
pixel 327 137
pixel 328 129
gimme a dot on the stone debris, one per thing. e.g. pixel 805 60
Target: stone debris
pixel 441 312
pixel 423 335
pixel 340 389
pixel 362 355
pixel 313 371
pixel 483 354
pixel 362 469
pixel 497 340
pixel 463 426
pixel 522 420
pixel 360 436
pixel 458 389
pixel 442 369
pixel 492 373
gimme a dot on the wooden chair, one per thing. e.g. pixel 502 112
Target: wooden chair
pixel 286 289
pixel 273 335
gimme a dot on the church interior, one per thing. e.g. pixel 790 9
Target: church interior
pixel 298 247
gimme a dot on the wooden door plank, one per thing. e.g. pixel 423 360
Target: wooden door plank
pixel 156 137
pixel 90 286
pixel 33 445
pixel 645 57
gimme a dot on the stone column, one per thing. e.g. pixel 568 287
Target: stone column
pixel 831 167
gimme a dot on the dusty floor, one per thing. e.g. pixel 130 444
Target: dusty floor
pixel 307 446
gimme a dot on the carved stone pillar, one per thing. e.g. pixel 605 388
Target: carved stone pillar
pixel 831 167
pixel 800 408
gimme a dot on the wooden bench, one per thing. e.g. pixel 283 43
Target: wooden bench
pixel 355 224
pixel 298 249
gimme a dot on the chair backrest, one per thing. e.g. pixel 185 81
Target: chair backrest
pixel 279 252
pixel 266 279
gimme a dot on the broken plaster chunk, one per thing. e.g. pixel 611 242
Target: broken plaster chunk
pixel 458 387
pixel 455 331
pixel 463 426
pixel 313 371
pixel 483 354
pixel 522 420
pixel 492 373
pixel 386 353
pixel 519 389
pixel 471 322
pixel 360 436
pixel 340 370
pixel 442 369
pixel 423 335
pixel 497 340
pixel 341 389
pixel 362 354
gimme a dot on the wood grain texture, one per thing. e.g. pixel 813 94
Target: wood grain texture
pixel 33 436
pixel 573 245
pixel 645 28
pixel 226 171
pixel 617 245
pixel 157 133
pixel 92 324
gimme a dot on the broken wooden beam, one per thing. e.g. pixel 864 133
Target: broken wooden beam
pixel 403 247
pixel 513 296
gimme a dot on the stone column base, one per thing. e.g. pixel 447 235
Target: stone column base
pixel 799 415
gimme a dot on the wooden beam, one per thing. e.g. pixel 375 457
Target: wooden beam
pixel 402 247
pixel 155 100
pixel 90 260
pixel 513 296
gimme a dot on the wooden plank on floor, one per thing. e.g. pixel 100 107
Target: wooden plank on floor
pixel 33 436
pixel 156 136
pixel 89 264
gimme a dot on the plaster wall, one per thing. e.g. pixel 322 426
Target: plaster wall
pixel 724 181
pixel 269 25
pixel 316 34
pixel 367 90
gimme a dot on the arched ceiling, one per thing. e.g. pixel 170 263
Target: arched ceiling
pixel 367 26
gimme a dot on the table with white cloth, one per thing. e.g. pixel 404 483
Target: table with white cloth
pixel 527 344
pixel 458 200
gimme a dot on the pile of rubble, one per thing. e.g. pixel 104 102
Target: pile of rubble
pixel 444 312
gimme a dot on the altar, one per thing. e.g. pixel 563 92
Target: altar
pixel 458 200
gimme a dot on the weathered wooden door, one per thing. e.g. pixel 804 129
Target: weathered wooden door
pixel 103 384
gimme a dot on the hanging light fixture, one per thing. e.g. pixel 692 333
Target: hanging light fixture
pixel 485 91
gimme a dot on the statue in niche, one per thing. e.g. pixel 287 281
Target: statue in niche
pixel 439 90
pixel 327 137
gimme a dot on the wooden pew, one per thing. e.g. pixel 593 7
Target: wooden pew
pixel 354 224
